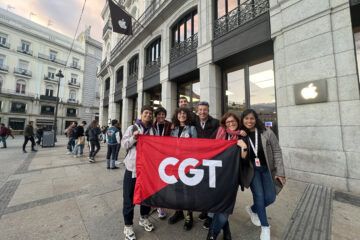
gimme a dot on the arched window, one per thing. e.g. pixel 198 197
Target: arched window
pixel 153 51
pixel 49 91
pixel 72 95
pixel 133 66
pixel 20 86
pixel 185 27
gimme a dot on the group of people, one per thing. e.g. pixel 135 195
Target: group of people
pixel 93 135
pixel 262 171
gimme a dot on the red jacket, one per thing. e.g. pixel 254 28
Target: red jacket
pixel 4 132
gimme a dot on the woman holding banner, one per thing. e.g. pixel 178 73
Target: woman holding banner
pixel 183 129
pixel 229 130
pixel 268 169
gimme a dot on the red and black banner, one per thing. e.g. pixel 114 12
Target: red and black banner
pixel 187 173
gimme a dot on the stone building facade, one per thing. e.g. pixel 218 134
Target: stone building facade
pixel 293 61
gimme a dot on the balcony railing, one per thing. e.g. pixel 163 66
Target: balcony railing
pixel 52 59
pixel 244 13
pixel 75 65
pixel 143 19
pixel 47 113
pixel 152 67
pixel 107 27
pixel 49 79
pixel 4 68
pixel 23 72
pixel 183 48
pixel 133 77
pixel 28 52
pixel 73 101
pixel 74 84
pixel 48 98
pixel 13 92
pixel 71 114
pixel 5 45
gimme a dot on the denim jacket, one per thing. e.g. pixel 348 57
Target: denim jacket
pixel 188 132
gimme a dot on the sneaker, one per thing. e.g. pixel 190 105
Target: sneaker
pixel 161 213
pixel 177 216
pixel 129 233
pixel 265 233
pixel 91 160
pixel 253 216
pixel 24 151
pixel 144 222
pixel 203 216
pixel 75 156
pixel 188 222
pixel 33 150
pixel 117 163
pixel 68 153
pixel 115 167
pixel 207 223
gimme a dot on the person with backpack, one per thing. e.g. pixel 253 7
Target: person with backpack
pixel 142 126
pixel 183 129
pixel 92 134
pixel 113 139
pixel 4 134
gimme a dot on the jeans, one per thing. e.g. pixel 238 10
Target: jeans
pixel 93 151
pixel 117 151
pixel 128 195
pixel 3 140
pixel 111 155
pixel 77 147
pixel 71 144
pixel 218 222
pixel 263 190
pixel 31 139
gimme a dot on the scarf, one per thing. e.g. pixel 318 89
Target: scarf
pixel 221 133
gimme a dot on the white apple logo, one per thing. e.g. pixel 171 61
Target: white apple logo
pixel 122 24
pixel 309 92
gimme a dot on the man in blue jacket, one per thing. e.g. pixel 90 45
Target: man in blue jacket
pixel 113 139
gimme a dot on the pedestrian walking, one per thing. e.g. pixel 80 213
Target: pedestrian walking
pixel 71 133
pixel 4 134
pixel 79 136
pixel 29 136
pixel 142 126
pixel 268 169
pixel 92 133
pixel 113 139
pixel 183 128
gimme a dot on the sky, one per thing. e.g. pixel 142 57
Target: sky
pixel 62 14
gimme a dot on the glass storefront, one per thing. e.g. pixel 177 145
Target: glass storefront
pixel 252 86
pixel 152 97
pixel 190 90
pixel 17 123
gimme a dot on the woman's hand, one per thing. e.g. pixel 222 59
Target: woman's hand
pixel 282 180
pixel 136 134
pixel 241 143
pixel 243 133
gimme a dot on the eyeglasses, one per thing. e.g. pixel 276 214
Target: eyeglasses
pixel 230 122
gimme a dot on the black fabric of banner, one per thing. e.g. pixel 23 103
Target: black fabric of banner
pixel 121 21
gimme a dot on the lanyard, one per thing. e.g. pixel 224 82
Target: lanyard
pixel 255 148
pixel 203 125
pixel 158 129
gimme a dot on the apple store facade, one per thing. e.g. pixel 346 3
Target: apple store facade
pixel 300 72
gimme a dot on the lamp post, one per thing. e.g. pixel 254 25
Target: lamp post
pixel 60 76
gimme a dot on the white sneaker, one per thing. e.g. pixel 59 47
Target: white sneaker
pixel 117 163
pixel 161 213
pixel 68 153
pixel 265 233
pixel 129 233
pixel 144 222
pixel 253 216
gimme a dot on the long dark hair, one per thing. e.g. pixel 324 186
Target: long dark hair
pixel 259 124
pixel 94 124
pixel 175 119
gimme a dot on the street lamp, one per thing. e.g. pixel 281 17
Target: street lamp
pixel 60 76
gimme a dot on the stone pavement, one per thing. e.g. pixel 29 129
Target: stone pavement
pixel 51 195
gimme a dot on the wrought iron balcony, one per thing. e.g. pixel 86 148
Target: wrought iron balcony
pixel 4 68
pixel 73 101
pixel 23 72
pixel 52 59
pixel 74 84
pixel 152 67
pixel 48 98
pixel 107 27
pixel 47 78
pixel 244 13
pixel 183 48
pixel 5 45
pixel 133 77
pixel 28 52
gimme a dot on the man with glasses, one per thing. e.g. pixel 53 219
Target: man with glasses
pixel 206 127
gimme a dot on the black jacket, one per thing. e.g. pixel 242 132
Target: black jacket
pixel 210 128
pixel 92 134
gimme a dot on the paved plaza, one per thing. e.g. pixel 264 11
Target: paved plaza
pixel 51 195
